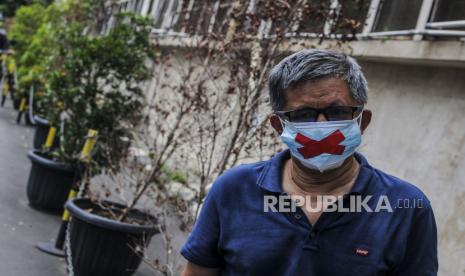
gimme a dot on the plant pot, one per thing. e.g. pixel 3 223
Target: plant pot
pixel 41 133
pixel 103 246
pixel 27 119
pixel 40 136
pixel 16 102
pixel 49 183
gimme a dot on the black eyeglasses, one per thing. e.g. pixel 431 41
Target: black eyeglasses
pixel 331 113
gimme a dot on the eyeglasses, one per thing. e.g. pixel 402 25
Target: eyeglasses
pixel 331 113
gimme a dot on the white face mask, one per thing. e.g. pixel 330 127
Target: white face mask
pixel 322 145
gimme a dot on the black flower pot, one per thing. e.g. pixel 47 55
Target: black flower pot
pixel 27 120
pixel 16 102
pixel 49 183
pixel 41 133
pixel 103 246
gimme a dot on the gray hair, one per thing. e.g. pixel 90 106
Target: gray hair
pixel 310 65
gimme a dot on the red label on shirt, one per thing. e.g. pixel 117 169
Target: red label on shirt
pixel 361 252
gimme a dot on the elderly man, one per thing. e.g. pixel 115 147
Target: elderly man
pixel 3 37
pixel 378 224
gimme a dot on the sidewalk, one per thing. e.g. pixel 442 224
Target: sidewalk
pixel 21 227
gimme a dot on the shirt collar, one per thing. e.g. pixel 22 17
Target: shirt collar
pixel 270 177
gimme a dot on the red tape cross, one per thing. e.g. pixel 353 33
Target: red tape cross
pixel 312 148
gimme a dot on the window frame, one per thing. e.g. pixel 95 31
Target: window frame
pixel 424 24
pixel 423 27
pixel 172 17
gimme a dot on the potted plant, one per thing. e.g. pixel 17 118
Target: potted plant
pixel 110 213
pixel 32 30
pixel 93 82
pixel 49 179
pixel 41 132
pixel 120 244
pixel 49 182
pixel 96 84
pixel 9 78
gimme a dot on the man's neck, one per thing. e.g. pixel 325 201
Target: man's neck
pixel 313 182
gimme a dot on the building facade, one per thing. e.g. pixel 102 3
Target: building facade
pixel 413 55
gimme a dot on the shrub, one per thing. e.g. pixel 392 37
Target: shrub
pixel 94 81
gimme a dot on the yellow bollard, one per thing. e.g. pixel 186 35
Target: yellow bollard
pixel 89 145
pixel 11 66
pixel 72 194
pixel 6 88
pixel 22 104
pixel 56 248
pixel 50 137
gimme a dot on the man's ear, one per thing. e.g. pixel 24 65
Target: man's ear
pixel 366 119
pixel 276 123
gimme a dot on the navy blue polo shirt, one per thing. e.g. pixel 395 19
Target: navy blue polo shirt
pixel 233 231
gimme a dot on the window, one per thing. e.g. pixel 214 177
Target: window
pixel 173 10
pixel 352 16
pixel 149 10
pixel 194 18
pixel 314 16
pixel 123 7
pixel 221 19
pixel 334 16
pixel 370 18
pixel 200 17
pixel 397 15
pixel 183 16
pixel 205 13
pixel 449 10
pixel 164 13
pixel 138 6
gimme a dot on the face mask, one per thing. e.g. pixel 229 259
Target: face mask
pixel 322 145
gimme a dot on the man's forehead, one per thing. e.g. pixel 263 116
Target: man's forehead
pixel 319 93
pixel 332 83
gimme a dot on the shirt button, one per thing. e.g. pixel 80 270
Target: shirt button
pixel 312 234
pixel 297 216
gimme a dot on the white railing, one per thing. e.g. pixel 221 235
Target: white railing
pixel 168 16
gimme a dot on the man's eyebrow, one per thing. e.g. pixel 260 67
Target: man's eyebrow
pixel 335 103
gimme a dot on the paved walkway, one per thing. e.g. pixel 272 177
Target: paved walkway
pixel 21 227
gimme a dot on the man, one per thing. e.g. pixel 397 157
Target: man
pixel 3 47
pixel 318 100
pixel 3 40
pixel 3 37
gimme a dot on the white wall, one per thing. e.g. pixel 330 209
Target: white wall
pixel 418 133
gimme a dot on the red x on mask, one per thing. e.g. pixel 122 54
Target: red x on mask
pixel 329 144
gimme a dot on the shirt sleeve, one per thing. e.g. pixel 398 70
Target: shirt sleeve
pixel 201 247
pixel 421 253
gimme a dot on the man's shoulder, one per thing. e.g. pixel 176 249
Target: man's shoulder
pixel 239 178
pixel 397 188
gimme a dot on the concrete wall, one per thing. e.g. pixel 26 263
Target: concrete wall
pixel 418 134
